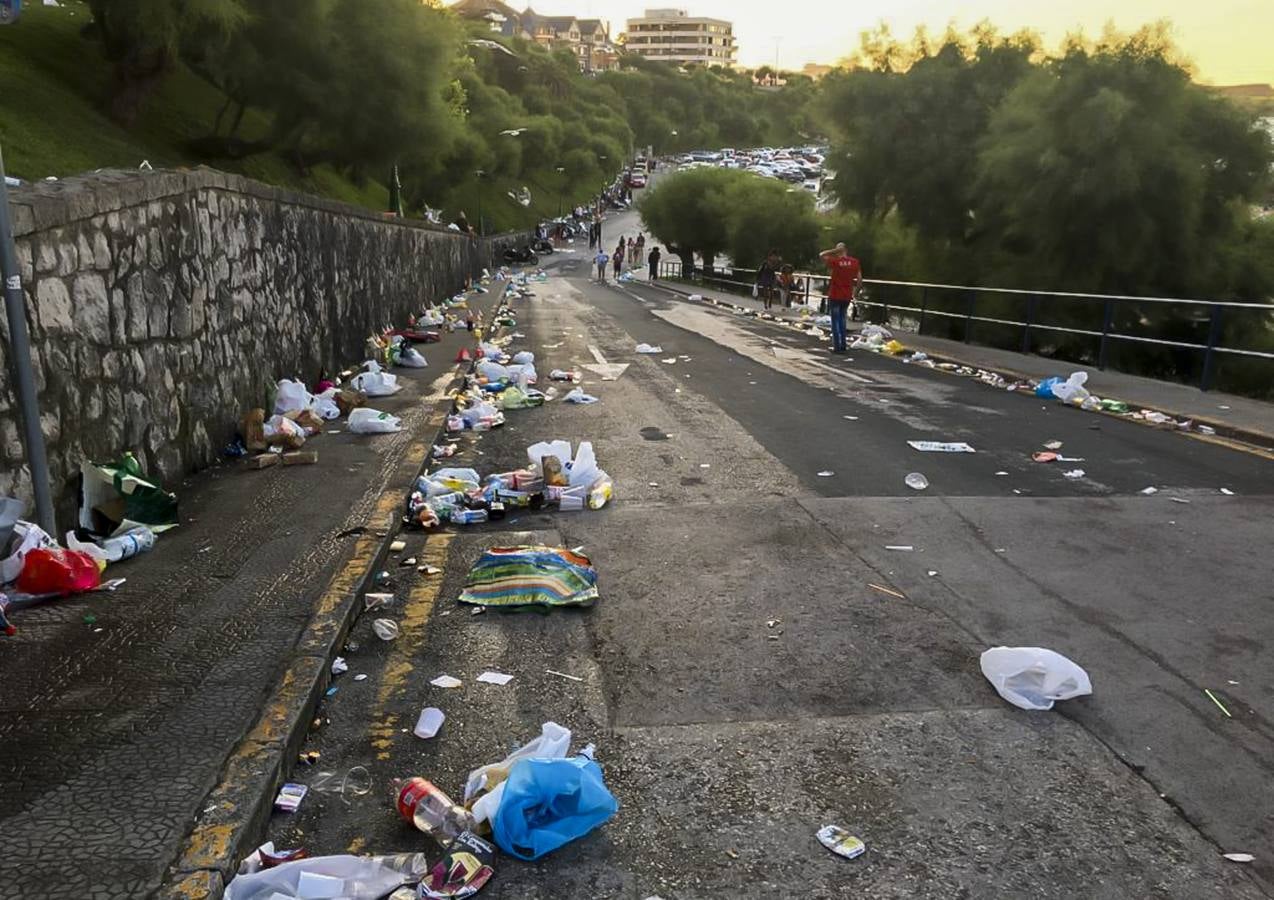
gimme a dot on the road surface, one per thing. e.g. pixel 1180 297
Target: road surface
pixel 746 684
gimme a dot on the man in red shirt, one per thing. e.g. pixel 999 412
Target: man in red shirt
pixel 847 278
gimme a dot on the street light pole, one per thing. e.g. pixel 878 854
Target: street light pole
pixel 20 350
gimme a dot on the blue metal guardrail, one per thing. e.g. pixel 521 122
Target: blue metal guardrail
pixel 962 313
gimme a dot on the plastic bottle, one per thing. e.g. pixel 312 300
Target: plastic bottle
pixel 429 808
pixel 113 549
pixel 601 492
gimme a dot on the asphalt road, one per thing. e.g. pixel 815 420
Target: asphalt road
pixel 730 740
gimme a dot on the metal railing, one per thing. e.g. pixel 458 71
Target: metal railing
pixel 1090 329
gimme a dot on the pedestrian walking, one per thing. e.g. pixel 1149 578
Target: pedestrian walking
pixel 766 276
pixel 617 259
pixel 653 261
pixel 632 252
pixel 846 280
pixel 601 259
pixel 789 285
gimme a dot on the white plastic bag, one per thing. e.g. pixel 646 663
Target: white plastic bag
pixel 584 470
pixel 356 878
pixel 578 396
pixel 374 382
pixel 476 413
pixel 553 742
pixel 412 358
pixel 27 536
pixel 325 405
pixel 1072 390
pixel 1033 677
pixel 291 396
pixel 561 449
pixel 525 358
pixel 649 348
pixel 492 371
pixel 281 426
pixel 372 421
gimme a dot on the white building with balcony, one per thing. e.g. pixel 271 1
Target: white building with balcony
pixel 673 35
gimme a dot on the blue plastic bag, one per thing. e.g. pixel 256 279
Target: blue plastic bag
pixel 1045 387
pixel 550 802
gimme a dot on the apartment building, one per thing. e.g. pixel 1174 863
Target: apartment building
pixel 673 35
pixel 588 39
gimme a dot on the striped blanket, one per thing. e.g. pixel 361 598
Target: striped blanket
pixel 512 577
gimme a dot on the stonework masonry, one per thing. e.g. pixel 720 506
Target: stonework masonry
pixel 163 304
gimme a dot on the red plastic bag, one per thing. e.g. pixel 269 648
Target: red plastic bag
pixel 58 571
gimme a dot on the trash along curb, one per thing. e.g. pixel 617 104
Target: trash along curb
pixel 1251 440
pixel 236 812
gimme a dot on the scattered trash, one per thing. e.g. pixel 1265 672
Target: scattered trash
pixel 290 797
pixel 495 678
pixel 446 681
pixel 916 481
pixel 1219 704
pixel 1001 474
pixel 577 395
pixel 1044 456
pixel 1238 857
pixel 932 573
pixel 371 421
pixel 563 675
pixel 397 546
pixel 649 348
pixel 1071 391
pixel 430 721
pixel 1178 499
pixel 940 447
pixel 851 418
pixel 840 841
pixel 1033 677
pixel 826 473
pixel 514 577
pixel 1074 473
pixel 339 665
pixel 885 590
pixel 547 803
pixel 1052 445
pixel 385 629
pixel 1227 492
pixel 908 548
pixel 462 871
pixel 346 877
pixel 705 465
pixel 1149 490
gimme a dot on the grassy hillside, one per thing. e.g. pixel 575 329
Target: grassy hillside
pixel 52 119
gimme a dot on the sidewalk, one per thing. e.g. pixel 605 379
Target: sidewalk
pixel 117 727
pixel 1243 418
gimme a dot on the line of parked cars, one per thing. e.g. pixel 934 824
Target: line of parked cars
pixel 796 165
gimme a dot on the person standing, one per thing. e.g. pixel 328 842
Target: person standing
pixel 846 280
pixel 653 261
pixel 641 249
pixel 617 259
pixel 766 276
pixel 601 259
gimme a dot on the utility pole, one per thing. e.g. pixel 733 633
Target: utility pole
pixel 20 352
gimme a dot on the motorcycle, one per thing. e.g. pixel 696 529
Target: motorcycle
pixel 521 256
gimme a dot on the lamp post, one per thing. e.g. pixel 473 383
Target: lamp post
pixel 480 173
pixel 561 188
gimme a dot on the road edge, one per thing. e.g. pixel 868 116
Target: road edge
pixel 238 807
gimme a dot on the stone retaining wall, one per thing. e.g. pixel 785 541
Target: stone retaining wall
pixel 162 304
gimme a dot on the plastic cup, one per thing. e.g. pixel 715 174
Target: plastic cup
pixel 916 481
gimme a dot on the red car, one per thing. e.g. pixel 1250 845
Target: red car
pixel 638 180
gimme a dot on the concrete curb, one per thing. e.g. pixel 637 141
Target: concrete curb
pixel 238 808
pixel 1251 438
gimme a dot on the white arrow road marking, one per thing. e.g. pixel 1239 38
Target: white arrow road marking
pixel 607 370
pixel 798 356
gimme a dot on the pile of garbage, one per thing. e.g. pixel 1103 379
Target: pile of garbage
pixel 120 515
pixel 534 801
pixel 555 477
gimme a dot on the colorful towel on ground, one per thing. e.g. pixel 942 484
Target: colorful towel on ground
pixel 512 577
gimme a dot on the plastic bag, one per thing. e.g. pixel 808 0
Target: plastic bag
pixel 553 741
pixel 584 470
pixel 1072 390
pixel 493 371
pixel 351 878
pixel 291 396
pixel 1044 389
pixel 412 358
pixel 1033 677
pixel 549 802
pixel 52 570
pixel 464 480
pixel 756 291
pixel 476 413
pixel 517 398
pixel 373 421
pixel 374 382
pixel 561 449
pixel 27 536
pixel 648 348
pixel 525 358
pixel 326 406
pixel 577 395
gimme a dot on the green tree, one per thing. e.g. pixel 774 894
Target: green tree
pixel 144 38
pixel 686 213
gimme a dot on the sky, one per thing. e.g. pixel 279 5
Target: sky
pixel 1229 41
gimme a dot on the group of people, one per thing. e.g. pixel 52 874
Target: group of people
pixel 629 252
pixel 775 279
